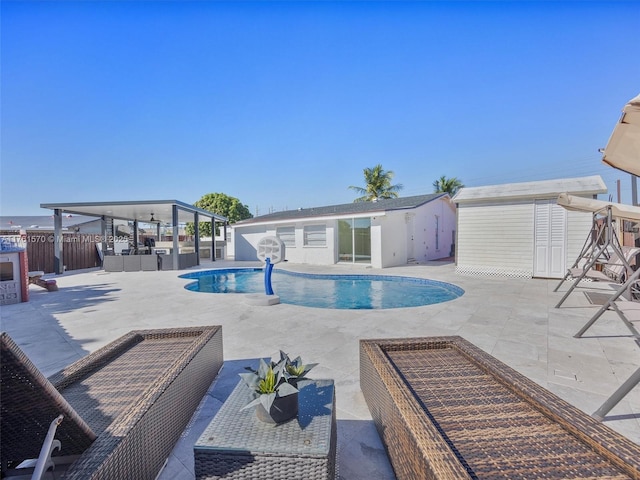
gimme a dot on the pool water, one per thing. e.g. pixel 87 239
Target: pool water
pixel 328 291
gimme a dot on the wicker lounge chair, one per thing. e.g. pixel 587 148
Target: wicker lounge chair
pixel 124 406
pixel 446 409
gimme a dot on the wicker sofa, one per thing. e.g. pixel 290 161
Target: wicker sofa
pixel 445 409
pixel 124 406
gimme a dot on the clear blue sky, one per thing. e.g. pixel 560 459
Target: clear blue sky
pixel 282 105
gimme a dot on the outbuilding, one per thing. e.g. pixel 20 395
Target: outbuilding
pixel 384 233
pixel 519 230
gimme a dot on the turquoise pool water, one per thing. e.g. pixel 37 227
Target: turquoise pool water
pixel 327 291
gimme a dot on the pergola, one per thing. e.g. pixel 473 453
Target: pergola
pixel 167 212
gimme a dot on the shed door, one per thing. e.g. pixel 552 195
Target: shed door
pixel 550 230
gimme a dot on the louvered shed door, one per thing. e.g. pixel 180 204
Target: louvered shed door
pixel 550 232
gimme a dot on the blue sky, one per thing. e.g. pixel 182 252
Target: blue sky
pixel 282 105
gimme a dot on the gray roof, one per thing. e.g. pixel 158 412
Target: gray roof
pixel 354 208
pixel 40 222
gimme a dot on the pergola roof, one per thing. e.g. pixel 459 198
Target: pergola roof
pixel 140 210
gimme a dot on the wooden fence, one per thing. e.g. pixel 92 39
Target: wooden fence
pixel 78 250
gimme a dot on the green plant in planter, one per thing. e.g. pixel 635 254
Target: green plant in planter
pixel 275 380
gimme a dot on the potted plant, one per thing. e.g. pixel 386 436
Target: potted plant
pixel 274 387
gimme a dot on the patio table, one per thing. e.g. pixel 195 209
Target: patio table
pixel 236 445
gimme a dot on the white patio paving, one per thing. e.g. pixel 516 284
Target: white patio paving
pixel 512 319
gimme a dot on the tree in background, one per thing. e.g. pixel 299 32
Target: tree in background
pixel 378 185
pixel 221 204
pixel 447 185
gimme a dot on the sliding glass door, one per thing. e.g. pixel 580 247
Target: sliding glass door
pixel 354 240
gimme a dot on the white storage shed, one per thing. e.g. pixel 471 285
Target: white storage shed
pixel 519 230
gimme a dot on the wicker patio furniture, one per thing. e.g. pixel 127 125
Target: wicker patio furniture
pixel 445 409
pixel 237 446
pixel 124 406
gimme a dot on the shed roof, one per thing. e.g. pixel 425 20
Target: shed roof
pixel 591 185
pixel 354 208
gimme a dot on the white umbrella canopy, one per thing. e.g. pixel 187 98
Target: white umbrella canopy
pixel 582 204
pixel 623 149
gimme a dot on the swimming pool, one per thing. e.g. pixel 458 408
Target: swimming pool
pixel 328 291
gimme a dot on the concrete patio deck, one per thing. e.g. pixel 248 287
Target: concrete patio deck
pixel 512 319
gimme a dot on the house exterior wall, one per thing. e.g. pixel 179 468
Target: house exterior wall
pixel 391 231
pixel 245 242
pixel 435 248
pixel 395 233
pixel 389 236
pixel 302 253
pixel 497 238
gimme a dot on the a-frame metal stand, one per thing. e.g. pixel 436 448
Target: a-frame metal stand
pixel 610 303
pixel 618 395
pixel 594 251
pixel 591 248
pixel 634 379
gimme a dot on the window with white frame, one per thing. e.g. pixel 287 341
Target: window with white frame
pixel 287 235
pixel 315 236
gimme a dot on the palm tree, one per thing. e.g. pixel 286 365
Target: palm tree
pixel 447 185
pixel 378 185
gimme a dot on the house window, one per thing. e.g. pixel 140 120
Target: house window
pixel 315 236
pixel 287 235
pixel 354 240
pixel 437 233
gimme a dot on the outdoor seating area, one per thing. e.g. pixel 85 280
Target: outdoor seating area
pixel 603 258
pixel 123 407
pixel 446 409
pixel 93 308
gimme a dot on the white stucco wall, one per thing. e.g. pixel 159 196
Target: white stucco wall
pixel 425 225
pixel 302 253
pixel 393 237
pixel 246 239
pixel 245 242
pixel 395 233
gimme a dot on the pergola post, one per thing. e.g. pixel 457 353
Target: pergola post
pixel 174 221
pixel 213 239
pixel 104 236
pixel 225 239
pixel 135 238
pixel 196 219
pixel 58 263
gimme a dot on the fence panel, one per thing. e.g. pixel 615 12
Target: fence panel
pixel 78 251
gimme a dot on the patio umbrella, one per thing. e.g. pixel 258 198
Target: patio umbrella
pixel 623 149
